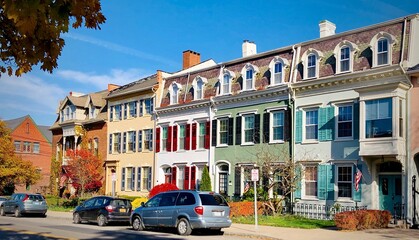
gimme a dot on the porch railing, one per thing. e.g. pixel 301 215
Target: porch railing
pixel 322 211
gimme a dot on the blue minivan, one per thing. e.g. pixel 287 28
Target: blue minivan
pixel 185 210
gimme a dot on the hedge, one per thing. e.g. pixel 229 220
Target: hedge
pixel 362 219
pixel 238 209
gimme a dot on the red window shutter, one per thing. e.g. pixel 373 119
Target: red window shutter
pixel 158 139
pixel 193 136
pixel 175 138
pixel 207 135
pixel 174 180
pixel 193 177
pixel 169 138
pixel 186 180
pixel 188 137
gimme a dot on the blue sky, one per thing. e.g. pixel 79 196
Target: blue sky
pixel 140 37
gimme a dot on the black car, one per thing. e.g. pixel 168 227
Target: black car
pixel 103 209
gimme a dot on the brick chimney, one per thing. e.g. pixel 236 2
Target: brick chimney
pixel 190 58
pixel 112 87
pixel 248 48
pixel 327 28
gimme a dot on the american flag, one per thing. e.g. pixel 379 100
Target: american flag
pixel 358 177
pixel 246 187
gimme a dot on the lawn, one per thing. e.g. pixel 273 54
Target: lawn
pixel 285 221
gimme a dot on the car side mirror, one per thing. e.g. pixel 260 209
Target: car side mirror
pixel 142 204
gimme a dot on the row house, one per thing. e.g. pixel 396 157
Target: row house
pixel 350 92
pixel 183 124
pixel 79 116
pixel 32 143
pixel 129 164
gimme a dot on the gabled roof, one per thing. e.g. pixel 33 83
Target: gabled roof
pixel 12 124
pixel 143 84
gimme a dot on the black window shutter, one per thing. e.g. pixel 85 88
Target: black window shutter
pixel 238 130
pixel 257 128
pixel 230 131
pixel 237 180
pixel 214 133
pixel 266 122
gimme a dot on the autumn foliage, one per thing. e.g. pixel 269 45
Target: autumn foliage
pixel 30 32
pixel 85 170
pixel 362 219
pixel 161 188
pixel 13 169
pixel 243 209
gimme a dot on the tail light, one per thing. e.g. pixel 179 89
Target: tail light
pixel 109 208
pixel 199 210
pixel 25 198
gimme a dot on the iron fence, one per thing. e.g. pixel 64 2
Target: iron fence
pixel 321 211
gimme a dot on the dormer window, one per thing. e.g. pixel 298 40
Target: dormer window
pixel 225 78
pixel 344 54
pixel 381 46
pixel 382 51
pixel 344 59
pixel 198 85
pixel 249 75
pixel 311 66
pixel 311 61
pixel 277 66
pixel 174 93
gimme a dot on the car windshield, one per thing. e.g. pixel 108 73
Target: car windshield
pixel 212 199
pixel 120 203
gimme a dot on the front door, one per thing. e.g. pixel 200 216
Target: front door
pixel 391 193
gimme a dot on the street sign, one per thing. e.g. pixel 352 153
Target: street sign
pixel 255 174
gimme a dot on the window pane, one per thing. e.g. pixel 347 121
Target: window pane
pixel 344 59
pixel 345 121
pixel 378 118
pixel 223 131
pixel 382 52
pixel 311 66
pixel 249 122
pixel 345 182
pixel 278 126
pixel 311 124
pixel 226 84
pixel 278 73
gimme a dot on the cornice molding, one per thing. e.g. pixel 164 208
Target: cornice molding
pixel 183 107
pixel 252 95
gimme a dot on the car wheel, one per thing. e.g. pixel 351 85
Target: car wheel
pixel 101 220
pixel 2 212
pixel 76 218
pixel 137 224
pixel 183 227
pixel 17 212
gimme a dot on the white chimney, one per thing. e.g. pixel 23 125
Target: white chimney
pixel 248 48
pixel 327 28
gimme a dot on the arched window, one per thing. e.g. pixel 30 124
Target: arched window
pixel 174 93
pixel 249 76
pixel 225 78
pixel 381 46
pixel 226 84
pixel 198 85
pixel 344 54
pixel 311 61
pixel 277 66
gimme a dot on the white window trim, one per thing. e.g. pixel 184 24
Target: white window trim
pixel 284 63
pixel 353 48
pixel 243 73
pixel 161 137
pixel 343 199
pixel 179 86
pixel 243 143
pixel 374 44
pixel 304 58
pixel 218 131
pixel 271 132
pixel 337 121
pixel 231 75
pixel 305 140
pixel 178 124
pixel 195 86
pixel 303 182
pixel 198 142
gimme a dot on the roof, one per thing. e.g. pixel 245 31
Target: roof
pixel 14 123
pixel 146 83
pixel 414 68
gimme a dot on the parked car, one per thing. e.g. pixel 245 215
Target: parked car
pixel 24 203
pixel 185 210
pixel 2 199
pixel 103 209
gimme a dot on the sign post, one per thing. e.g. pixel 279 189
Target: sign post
pixel 113 183
pixel 255 178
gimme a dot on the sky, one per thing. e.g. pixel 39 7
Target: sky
pixel 141 37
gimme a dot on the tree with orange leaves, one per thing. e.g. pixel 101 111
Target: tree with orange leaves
pixel 85 170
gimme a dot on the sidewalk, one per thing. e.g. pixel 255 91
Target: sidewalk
pixel 266 232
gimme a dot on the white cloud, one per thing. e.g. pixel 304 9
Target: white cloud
pixel 119 48
pixel 100 81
